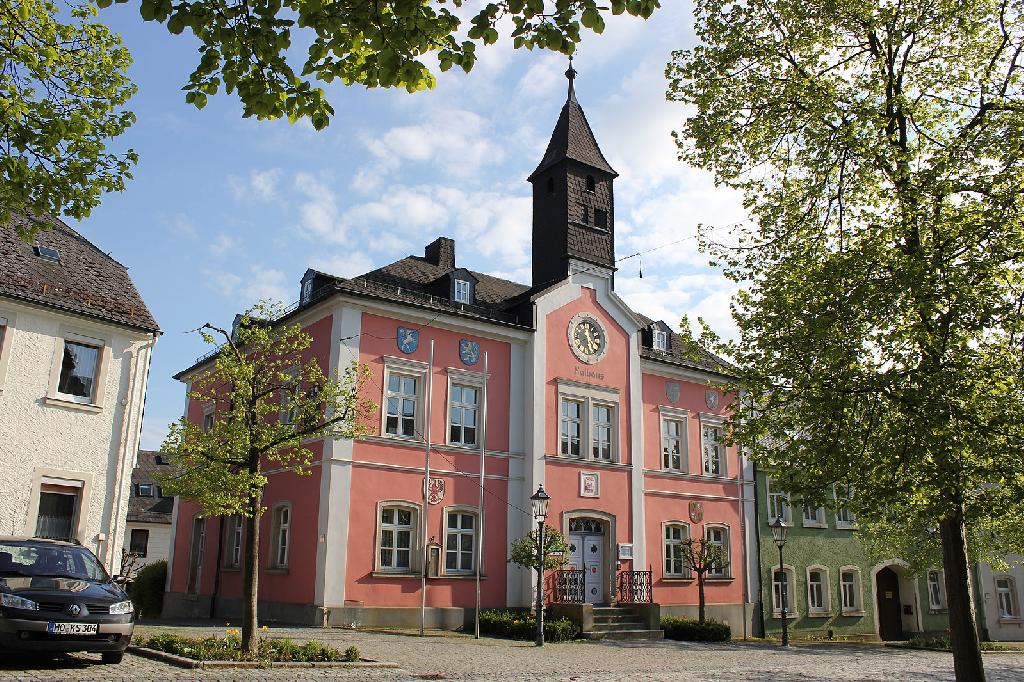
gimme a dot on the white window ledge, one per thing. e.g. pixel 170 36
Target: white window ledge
pixel 790 615
pixel 395 574
pixel 812 524
pixel 70 404
pixel 819 614
pixel 853 612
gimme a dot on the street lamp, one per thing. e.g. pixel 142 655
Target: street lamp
pixel 539 501
pixel 779 530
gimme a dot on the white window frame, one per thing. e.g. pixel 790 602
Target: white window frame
pixel 7 330
pixel 1007 604
pixel 470 379
pixel 147 486
pixel 288 391
pixel 725 573
pixel 825 591
pixel 281 540
pixel 659 339
pixel 95 400
pixel 565 439
pixel 596 427
pixel 475 533
pixel 713 422
pixel 414 531
pixel 131 541
pixel 857 607
pixel 850 520
pixel 935 584
pixel 669 414
pixel 209 413
pixel 409 368
pixel 815 521
pixel 590 396
pixel 234 528
pixel 666 548
pixel 790 573
pixel 463 291
pixel 782 503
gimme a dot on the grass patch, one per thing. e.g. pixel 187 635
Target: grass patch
pixel 942 643
pixel 229 648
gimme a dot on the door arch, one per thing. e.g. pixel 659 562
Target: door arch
pixel 597 530
pixel 897 606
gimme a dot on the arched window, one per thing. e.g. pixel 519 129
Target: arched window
pixel 1006 596
pixel 818 592
pixel 676 533
pixel 591 185
pixel 850 590
pixel 783 582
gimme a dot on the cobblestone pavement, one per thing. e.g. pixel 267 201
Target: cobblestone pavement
pixel 463 658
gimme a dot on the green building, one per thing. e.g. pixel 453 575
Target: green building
pixel 831 584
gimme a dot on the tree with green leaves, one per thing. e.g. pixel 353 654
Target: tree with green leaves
pixel 246 46
pixel 63 87
pixel 271 398
pixel 702 557
pixel 556 550
pixel 878 148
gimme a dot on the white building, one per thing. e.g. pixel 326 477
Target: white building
pixel 147 534
pixel 75 347
pixel 1000 600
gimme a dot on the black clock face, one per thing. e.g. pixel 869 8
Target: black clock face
pixel 588 337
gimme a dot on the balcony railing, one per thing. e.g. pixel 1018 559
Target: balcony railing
pixel 634 587
pixel 569 586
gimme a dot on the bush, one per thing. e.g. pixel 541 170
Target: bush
pixel 147 590
pixel 519 625
pixel 352 654
pixel 686 630
pixel 230 649
pixel 942 643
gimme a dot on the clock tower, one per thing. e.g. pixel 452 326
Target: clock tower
pixel 573 206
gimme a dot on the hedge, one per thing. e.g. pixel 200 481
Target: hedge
pixel 687 630
pixel 519 625
pixel 147 590
pixel 230 649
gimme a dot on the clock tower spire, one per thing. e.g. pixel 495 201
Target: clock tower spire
pixel 573 206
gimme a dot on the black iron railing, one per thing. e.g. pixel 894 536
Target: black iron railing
pixel 634 587
pixel 569 586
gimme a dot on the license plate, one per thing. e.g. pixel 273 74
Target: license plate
pixel 72 628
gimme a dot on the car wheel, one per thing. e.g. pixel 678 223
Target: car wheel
pixel 112 656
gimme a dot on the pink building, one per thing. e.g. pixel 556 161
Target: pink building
pixel 598 404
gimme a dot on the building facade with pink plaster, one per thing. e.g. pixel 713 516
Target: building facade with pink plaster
pixel 555 383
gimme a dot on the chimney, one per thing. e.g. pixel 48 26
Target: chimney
pixel 441 252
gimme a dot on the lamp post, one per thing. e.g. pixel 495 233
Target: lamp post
pixel 779 530
pixel 539 501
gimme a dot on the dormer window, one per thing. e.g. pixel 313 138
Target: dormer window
pixel 462 291
pixel 660 340
pixel 47 253
pixel 591 185
pixel 307 291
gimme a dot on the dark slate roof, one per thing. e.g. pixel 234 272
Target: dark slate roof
pixel 677 355
pixel 573 139
pixel 415 272
pixel 87 281
pixel 149 509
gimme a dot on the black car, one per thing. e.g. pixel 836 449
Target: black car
pixel 57 597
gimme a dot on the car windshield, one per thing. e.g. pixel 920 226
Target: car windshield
pixel 50 561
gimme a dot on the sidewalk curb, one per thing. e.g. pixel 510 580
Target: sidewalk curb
pixel 183 662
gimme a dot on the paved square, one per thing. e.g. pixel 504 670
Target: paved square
pixel 463 658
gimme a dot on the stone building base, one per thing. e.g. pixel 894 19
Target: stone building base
pixel 742 618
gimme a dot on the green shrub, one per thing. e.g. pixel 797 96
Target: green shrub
pixel 352 654
pixel 230 649
pixel 686 630
pixel 519 625
pixel 147 590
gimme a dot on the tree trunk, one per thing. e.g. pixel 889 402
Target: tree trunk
pixel 250 588
pixel 700 598
pixel 963 629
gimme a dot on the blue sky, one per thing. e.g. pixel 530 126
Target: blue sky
pixel 224 211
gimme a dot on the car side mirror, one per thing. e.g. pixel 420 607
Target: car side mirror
pixel 121 579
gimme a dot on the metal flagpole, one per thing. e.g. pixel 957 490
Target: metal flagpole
pixel 481 433
pixel 426 493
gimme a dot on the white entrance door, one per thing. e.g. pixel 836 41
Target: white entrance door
pixel 586 551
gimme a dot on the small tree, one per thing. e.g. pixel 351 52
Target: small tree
pixel 556 550
pixel 702 557
pixel 270 399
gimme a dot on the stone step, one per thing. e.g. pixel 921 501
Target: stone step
pixel 617 627
pixel 612 610
pixel 625 634
pixel 616 618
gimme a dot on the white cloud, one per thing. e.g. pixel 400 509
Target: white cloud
pixel 348 265
pixel 223 243
pixel 261 185
pixel 257 284
pixel 319 217
pixel 181 225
